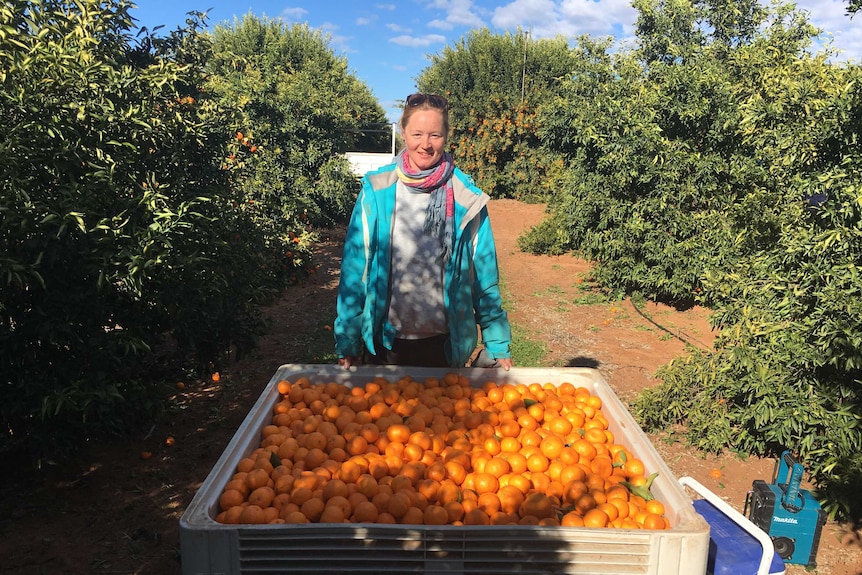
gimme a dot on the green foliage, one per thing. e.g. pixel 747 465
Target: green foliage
pixel 662 184
pixel 502 151
pixel 303 110
pixel 122 236
pixel 789 357
pixel 648 183
pixel 546 237
pixel 670 31
pixel 495 85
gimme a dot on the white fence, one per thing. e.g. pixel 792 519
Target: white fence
pixel 363 162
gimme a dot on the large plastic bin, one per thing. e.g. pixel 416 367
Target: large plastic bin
pixel 210 548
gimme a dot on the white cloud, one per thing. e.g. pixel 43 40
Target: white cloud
pixel 570 18
pixel 535 14
pixel 390 7
pixel 831 17
pixel 294 13
pixel 398 28
pixel 440 25
pixel 599 18
pixel 458 13
pixel 364 21
pixel 336 40
pixel 418 41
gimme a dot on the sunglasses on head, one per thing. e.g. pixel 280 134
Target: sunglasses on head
pixel 433 100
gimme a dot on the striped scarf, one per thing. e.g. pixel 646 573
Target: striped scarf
pixel 440 214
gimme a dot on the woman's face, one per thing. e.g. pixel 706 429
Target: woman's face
pixel 425 137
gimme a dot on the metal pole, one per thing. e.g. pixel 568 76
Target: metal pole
pixel 524 65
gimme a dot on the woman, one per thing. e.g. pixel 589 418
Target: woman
pixel 419 270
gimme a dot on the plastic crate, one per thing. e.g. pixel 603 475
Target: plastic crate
pixel 210 548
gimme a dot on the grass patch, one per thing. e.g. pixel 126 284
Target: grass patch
pixel 555 290
pixel 589 297
pixel 526 351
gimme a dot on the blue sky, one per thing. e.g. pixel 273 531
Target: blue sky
pixel 387 44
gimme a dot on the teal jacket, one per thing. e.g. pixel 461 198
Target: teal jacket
pixel 471 282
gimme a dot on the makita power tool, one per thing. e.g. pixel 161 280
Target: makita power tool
pixel 790 515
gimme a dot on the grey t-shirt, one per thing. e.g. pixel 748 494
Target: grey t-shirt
pixel 416 307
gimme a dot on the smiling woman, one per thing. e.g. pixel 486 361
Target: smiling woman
pixel 413 294
pixel 424 130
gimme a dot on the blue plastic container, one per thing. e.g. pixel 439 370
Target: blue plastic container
pixel 736 545
pixel 732 549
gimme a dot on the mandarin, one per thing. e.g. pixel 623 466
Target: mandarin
pixel 595 518
pixel 438 452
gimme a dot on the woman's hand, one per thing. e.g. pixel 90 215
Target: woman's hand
pixel 483 359
pixel 347 361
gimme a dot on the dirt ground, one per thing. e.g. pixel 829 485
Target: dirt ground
pixel 111 511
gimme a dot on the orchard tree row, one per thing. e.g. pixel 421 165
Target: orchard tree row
pixel 155 192
pixel 715 161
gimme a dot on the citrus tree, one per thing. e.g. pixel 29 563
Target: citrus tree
pixel 787 368
pixel 125 253
pixel 660 185
pixel 495 84
pixel 303 110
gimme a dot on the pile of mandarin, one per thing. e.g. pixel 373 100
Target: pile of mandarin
pixel 440 452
